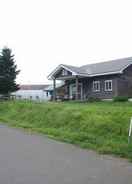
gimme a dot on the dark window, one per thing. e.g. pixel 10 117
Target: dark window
pixel 108 85
pixel 96 86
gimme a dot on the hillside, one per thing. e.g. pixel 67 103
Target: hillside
pixel 101 126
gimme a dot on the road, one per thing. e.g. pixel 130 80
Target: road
pixel 34 159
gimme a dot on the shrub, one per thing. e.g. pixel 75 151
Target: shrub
pixel 120 98
pixel 93 99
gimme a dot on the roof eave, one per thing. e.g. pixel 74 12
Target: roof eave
pixel 107 73
pixel 126 67
pixel 51 75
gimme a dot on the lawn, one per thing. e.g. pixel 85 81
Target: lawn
pixel 101 126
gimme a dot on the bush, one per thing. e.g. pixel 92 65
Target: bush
pixel 93 99
pixel 120 99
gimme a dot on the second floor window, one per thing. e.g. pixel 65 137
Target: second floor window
pixel 96 86
pixel 108 85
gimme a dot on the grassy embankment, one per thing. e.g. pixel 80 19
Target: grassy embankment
pixel 101 126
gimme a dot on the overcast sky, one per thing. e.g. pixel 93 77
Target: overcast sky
pixel 46 33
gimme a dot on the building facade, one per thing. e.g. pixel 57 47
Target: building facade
pixel 32 92
pixel 103 80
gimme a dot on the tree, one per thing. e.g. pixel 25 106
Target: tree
pixel 8 72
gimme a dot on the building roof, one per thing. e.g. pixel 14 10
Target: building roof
pixel 33 87
pixel 102 68
pixel 113 66
pixel 51 88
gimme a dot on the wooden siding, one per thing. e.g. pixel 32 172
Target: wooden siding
pixel 125 82
pixel 121 85
pixel 102 94
pixel 88 87
pixel 59 74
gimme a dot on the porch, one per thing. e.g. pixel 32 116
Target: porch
pixel 73 89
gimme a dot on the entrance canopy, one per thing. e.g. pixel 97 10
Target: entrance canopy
pixel 65 72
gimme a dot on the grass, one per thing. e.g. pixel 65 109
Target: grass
pixel 101 126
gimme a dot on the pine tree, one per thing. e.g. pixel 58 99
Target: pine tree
pixel 8 72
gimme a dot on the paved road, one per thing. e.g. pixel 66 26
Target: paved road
pixel 32 159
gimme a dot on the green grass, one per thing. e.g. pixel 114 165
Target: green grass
pixel 101 126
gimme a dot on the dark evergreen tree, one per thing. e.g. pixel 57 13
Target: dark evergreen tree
pixel 8 72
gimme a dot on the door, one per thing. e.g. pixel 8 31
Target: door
pixel 72 91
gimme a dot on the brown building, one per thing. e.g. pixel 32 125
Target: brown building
pixel 102 80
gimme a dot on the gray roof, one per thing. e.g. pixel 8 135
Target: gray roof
pixel 74 68
pixel 33 87
pixel 50 87
pixel 113 66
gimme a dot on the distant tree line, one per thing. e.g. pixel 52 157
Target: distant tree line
pixel 8 72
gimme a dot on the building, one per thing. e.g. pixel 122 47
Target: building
pixel 103 80
pixel 32 92
pixel 60 90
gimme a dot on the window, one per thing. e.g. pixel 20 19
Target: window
pixel 37 97
pixel 47 93
pixel 64 72
pixel 96 86
pixel 108 85
pixel 30 97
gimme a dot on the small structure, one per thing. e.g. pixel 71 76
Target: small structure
pixel 32 92
pixel 100 80
pixel 59 90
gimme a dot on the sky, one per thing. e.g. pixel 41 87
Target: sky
pixel 45 33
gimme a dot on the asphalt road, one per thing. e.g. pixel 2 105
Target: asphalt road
pixel 33 159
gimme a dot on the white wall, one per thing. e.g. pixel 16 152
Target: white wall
pixel 32 95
